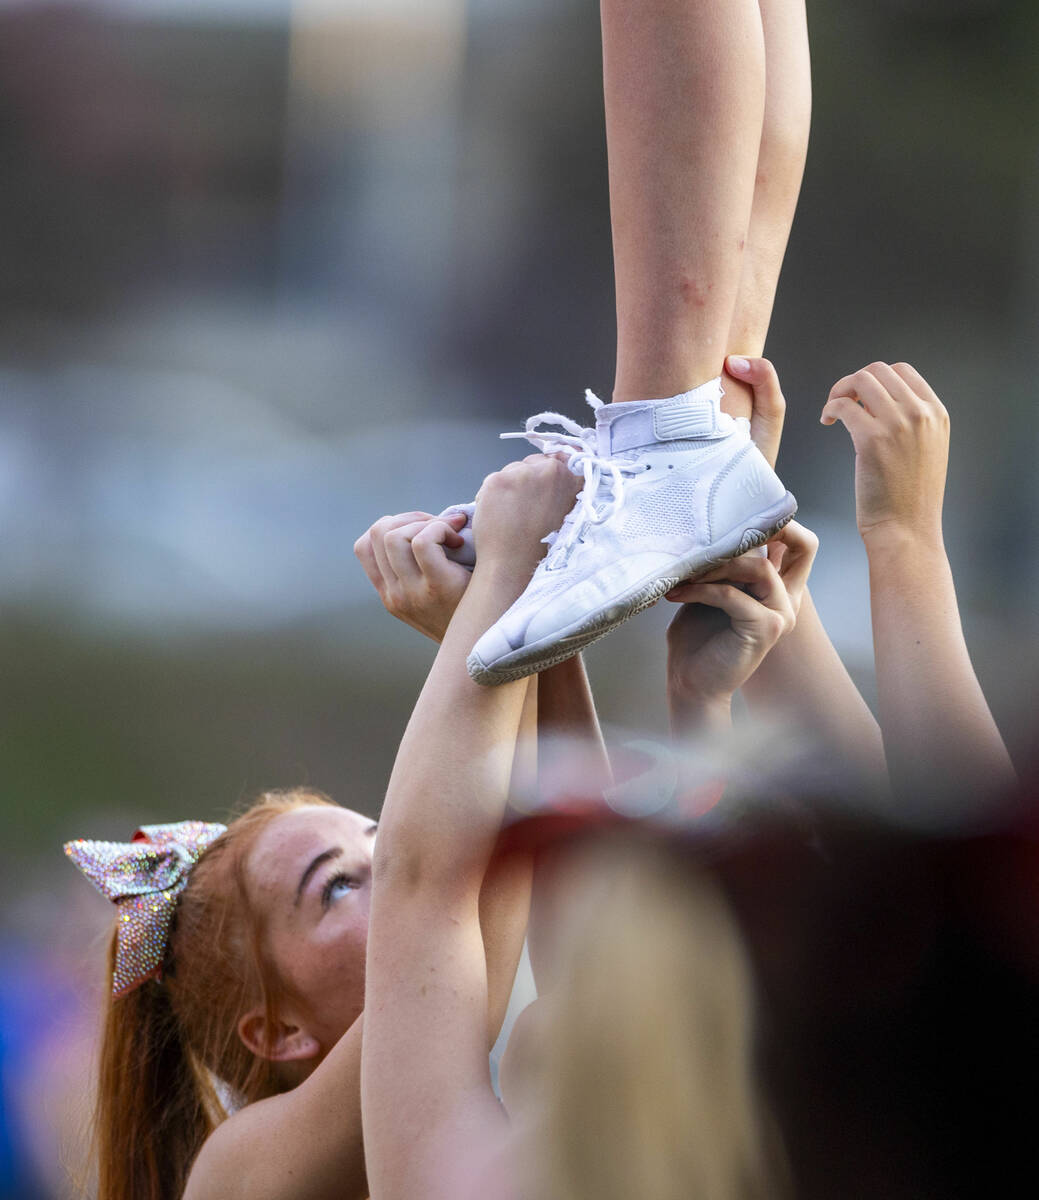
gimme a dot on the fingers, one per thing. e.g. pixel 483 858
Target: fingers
pixel 403 556
pixel 382 529
pixel 427 547
pixel 757 573
pixel 540 457
pixel 771 619
pixel 762 377
pixel 893 383
pixel 915 400
pixel 398 550
pixel 801 546
pixel 753 578
pixel 518 505
pixel 889 394
pixel 769 411
pixel 370 546
pixel 917 382
pixel 547 464
pixel 455 523
pixel 776 582
pixel 417 548
pixel 922 389
pixel 852 416
pixel 862 386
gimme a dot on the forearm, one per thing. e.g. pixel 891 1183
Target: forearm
pixel 803 682
pixel 569 731
pixel 506 893
pixel 939 735
pixel 573 761
pixel 450 782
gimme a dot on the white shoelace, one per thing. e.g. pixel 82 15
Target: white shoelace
pixel 580 445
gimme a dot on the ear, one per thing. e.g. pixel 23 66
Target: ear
pixel 284 1043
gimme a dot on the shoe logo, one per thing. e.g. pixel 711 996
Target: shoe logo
pixel 752 481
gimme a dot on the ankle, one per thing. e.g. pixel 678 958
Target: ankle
pixel 706 391
pixel 629 388
pixel 739 398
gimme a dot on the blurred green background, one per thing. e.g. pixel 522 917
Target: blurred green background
pixel 270 270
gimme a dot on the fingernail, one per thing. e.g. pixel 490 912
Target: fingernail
pixel 738 365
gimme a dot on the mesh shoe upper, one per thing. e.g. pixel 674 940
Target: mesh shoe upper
pixel 653 511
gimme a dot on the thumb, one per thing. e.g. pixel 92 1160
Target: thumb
pixel 452 535
pixel 851 414
pixel 769 410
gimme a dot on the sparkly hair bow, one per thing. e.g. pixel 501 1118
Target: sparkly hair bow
pixel 143 877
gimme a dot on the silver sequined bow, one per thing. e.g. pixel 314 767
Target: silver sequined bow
pixel 143 877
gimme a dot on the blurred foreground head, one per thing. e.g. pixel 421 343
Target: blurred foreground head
pixel 810 1002
pixel 640 1077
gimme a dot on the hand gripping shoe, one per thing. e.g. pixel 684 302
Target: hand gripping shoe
pixel 671 489
pixel 465 554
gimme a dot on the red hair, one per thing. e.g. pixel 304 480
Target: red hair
pixel 172 1064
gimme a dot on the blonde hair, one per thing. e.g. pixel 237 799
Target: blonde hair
pixel 648 1070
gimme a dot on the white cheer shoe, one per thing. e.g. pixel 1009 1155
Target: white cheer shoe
pixel 672 488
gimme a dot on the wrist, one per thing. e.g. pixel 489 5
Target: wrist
pixel 434 633
pixel 891 539
pixel 908 569
pixel 692 708
pixel 507 572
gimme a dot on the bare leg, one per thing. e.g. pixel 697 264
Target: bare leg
pixel 803 678
pixel 781 160
pixel 684 83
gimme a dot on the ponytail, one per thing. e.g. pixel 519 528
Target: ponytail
pixel 166 1047
pixel 153 1111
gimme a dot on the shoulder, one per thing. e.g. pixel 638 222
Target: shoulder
pixel 234 1150
pixel 304 1144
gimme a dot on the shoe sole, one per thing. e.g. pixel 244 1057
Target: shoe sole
pixel 548 652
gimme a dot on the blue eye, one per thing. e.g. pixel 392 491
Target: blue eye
pixel 336 887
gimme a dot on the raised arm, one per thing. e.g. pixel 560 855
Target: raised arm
pixel 802 680
pixel 939 736
pixel 404 558
pixel 426 1095
pixel 730 620
pixel 306 1143
pixel 561 750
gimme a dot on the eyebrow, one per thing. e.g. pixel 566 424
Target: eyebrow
pixel 317 861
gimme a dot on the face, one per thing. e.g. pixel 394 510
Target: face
pixel 310 874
